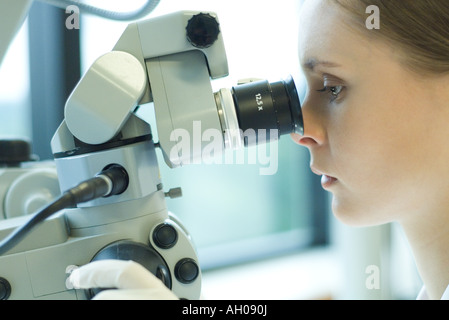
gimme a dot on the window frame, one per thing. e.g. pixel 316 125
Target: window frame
pixel 54 72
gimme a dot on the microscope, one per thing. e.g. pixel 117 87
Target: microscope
pixel 168 61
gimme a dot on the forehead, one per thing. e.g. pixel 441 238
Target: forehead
pixel 324 33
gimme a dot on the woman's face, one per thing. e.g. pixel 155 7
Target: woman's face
pixel 373 128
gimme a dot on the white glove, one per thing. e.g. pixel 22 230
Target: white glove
pixel 132 280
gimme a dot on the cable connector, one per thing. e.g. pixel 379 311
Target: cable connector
pixel 118 177
pixel 112 180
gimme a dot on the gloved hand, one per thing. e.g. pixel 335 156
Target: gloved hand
pixel 132 280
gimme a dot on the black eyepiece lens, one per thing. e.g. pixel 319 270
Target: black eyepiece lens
pixel 266 106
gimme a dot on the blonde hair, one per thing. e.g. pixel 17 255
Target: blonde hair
pixel 419 28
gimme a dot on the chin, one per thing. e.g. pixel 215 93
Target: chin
pixel 357 215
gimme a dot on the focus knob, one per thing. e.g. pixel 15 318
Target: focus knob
pixel 5 289
pixel 13 152
pixel 165 236
pixel 202 30
pixel 186 271
pixel 138 252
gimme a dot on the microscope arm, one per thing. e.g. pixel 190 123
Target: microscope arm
pixel 105 97
pixel 157 60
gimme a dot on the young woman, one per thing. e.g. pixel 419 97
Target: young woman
pixel 376 118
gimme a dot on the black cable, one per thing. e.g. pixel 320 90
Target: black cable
pixel 113 180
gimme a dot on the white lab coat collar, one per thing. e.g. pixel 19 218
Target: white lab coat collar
pixel 423 294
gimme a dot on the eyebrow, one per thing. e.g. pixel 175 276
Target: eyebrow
pixel 312 63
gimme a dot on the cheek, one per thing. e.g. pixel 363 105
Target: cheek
pixel 373 134
pixel 357 140
pixel 372 150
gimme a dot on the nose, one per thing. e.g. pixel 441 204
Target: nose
pixel 314 131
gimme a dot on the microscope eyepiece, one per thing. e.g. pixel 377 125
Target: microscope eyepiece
pixel 261 106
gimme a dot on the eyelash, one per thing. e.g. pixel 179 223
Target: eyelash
pixel 332 91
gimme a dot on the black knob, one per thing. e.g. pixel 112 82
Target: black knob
pixel 186 270
pixel 14 151
pixel 165 236
pixel 5 289
pixel 202 30
pixel 138 252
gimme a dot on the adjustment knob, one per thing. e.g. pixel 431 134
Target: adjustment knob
pixel 165 236
pixel 5 289
pixel 202 30
pixel 186 270
pixel 138 252
pixel 13 152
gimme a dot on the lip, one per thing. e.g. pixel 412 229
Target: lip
pixel 327 181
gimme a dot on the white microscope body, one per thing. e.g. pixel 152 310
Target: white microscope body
pixel 170 61
pixel 153 61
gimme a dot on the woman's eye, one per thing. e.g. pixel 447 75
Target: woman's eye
pixel 333 91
